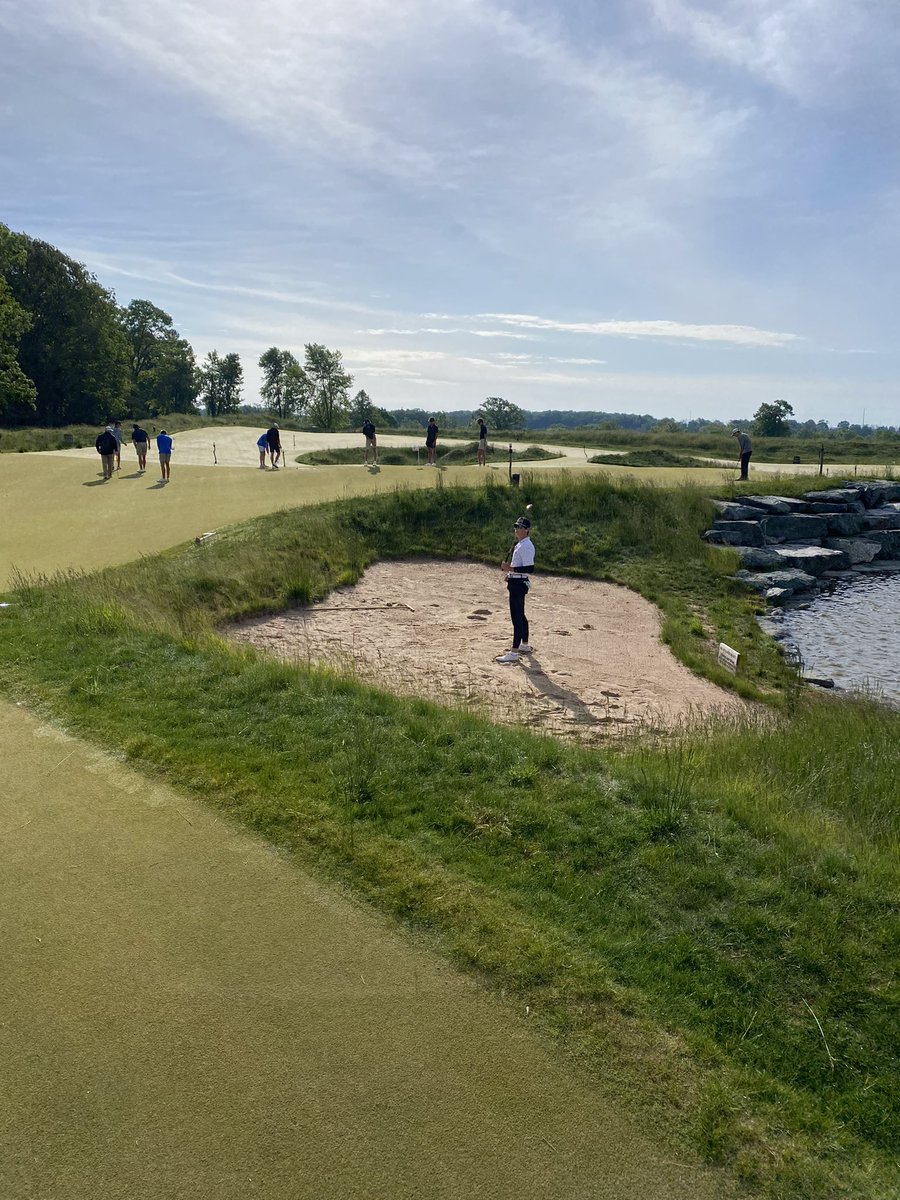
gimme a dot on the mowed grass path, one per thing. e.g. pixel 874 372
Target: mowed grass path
pixel 188 1014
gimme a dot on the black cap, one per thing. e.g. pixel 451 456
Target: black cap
pixel 522 523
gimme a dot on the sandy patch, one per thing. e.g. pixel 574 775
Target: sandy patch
pixel 433 630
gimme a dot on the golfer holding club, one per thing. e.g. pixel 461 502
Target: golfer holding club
pixel 519 567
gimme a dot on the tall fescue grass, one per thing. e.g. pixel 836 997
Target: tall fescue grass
pixel 706 923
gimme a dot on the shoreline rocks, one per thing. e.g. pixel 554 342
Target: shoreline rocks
pixel 791 545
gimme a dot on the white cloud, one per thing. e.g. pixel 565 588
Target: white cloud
pixel 811 49
pixel 741 335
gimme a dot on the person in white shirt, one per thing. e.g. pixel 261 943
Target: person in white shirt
pixel 518 569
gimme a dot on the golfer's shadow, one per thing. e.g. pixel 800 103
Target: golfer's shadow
pixel 374 468
pixel 136 475
pixel 95 482
pixel 569 700
pixel 158 486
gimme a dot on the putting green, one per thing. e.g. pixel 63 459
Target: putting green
pixel 185 1014
pixel 62 516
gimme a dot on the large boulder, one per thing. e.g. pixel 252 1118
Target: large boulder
pixel 887 516
pixel 858 550
pixel 814 560
pixel 795 528
pixel 876 492
pixel 735 533
pixel 759 559
pixel 842 495
pixel 780 505
pixel 845 524
pixel 729 511
pixel 831 506
pixel 790 581
pixel 888 540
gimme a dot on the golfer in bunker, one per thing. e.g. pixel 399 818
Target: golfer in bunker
pixel 518 569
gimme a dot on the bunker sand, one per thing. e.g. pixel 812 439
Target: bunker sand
pixel 433 629
pixel 187 1014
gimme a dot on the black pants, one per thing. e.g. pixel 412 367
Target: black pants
pixel 517 593
pixel 745 462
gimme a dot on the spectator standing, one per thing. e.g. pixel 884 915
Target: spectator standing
pixel 164 446
pixel 368 431
pixel 273 437
pixel 745 449
pixel 481 456
pixel 141 442
pixel 431 435
pixel 106 448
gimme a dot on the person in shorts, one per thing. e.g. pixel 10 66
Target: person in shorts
pixel 106 448
pixel 431 434
pixel 141 441
pixel 262 445
pixel 273 438
pixel 116 429
pixel 164 446
pixel 518 570
pixel 481 456
pixel 368 432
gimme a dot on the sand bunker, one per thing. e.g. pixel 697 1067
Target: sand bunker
pixel 432 629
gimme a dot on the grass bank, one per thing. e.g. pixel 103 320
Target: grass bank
pixel 406 456
pixel 648 458
pixel 707 925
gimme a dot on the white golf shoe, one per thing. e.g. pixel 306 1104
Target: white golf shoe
pixel 511 656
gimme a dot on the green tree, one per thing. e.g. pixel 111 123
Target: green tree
pixel 145 325
pixel 329 403
pixel 176 378
pixel 286 388
pixel 17 392
pixel 770 420
pixel 75 350
pixel 161 364
pixel 501 414
pixel 221 380
pixel 361 408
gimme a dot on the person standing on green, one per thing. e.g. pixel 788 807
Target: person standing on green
pixel 745 448
pixel 106 447
pixel 164 446
pixel 431 434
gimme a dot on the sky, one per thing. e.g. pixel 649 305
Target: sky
pixel 677 207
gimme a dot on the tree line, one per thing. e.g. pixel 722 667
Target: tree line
pixel 70 354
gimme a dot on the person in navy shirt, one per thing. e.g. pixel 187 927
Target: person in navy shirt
pixel 164 446
pixel 481 456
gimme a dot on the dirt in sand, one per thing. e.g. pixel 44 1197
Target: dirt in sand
pixel 433 629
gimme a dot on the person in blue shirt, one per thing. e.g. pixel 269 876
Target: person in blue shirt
pixel 262 445
pixel 164 446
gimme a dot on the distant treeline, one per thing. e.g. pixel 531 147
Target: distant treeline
pixel 590 422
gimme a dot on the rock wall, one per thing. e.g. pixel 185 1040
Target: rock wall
pixel 789 545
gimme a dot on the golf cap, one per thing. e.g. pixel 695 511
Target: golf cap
pixel 522 523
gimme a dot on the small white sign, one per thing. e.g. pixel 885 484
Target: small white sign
pixel 728 658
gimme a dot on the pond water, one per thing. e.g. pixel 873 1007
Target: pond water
pixel 851 633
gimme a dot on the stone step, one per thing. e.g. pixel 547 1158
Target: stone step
pixel 735 533
pixel 777 505
pixel 814 560
pixel 794 528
